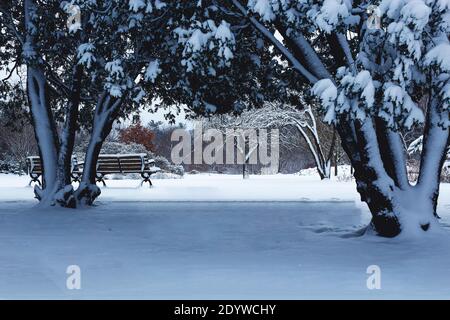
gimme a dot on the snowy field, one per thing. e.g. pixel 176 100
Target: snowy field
pixel 214 237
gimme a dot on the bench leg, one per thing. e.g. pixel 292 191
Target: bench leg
pixel 36 180
pixel 99 178
pixel 146 178
pixel 149 182
pixel 102 181
pixel 75 178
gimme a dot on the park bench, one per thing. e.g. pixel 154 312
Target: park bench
pixel 34 168
pixel 106 164
pixel 124 164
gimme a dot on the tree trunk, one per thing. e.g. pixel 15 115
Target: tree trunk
pixel 105 115
pixel 55 154
pixel 322 164
pixel 392 153
pixel 374 185
pixel 56 158
pixel 45 132
pixel 435 143
pixel 395 205
pixel 245 173
pixel 336 162
pixel 37 93
pixel 88 191
pixel 360 145
pixel 63 192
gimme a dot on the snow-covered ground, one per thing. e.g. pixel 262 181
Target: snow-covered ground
pixel 214 236
pixel 205 187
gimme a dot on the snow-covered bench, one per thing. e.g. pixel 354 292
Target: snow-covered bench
pixel 124 164
pixel 34 168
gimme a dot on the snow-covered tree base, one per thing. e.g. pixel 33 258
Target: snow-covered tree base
pixel 385 225
pixel 63 197
pixel 406 212
pixel 86 194
pixel 67 197
pixel 389 225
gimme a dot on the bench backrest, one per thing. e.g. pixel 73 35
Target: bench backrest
pixel 123 163
pixel 34 164
pixel 107 163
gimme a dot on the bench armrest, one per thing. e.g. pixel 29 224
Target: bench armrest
pixel 154 169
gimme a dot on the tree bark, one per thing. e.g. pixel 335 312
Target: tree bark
pixel 105 115
pixel 395 207
pixel 55 153
pixel 375 185
pixel 63 186
pixel 435 143
pixel 392 153
pixel 45 131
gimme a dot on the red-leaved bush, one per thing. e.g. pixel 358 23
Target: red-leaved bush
pixel 136 133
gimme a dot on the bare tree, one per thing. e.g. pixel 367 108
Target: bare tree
pixel 313 132
pixel 19 143
pixel 319 137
